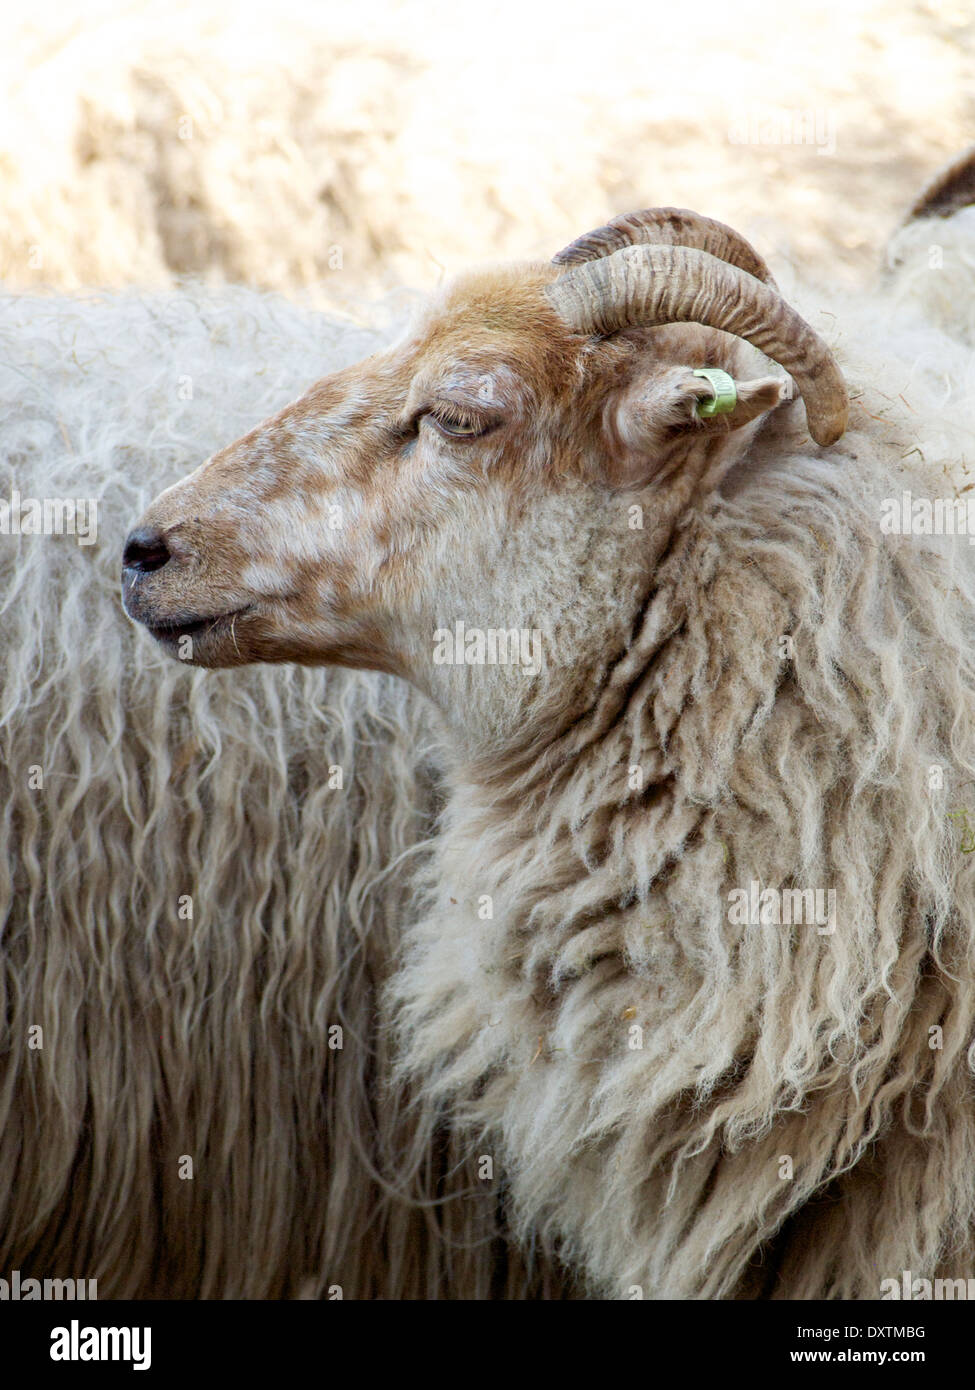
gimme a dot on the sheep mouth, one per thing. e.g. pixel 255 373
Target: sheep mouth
pixel 174 629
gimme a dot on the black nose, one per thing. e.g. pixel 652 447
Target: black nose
pixel 145 550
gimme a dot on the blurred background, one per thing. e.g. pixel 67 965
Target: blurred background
pixel 340 149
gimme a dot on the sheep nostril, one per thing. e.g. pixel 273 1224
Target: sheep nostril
pixel 145 550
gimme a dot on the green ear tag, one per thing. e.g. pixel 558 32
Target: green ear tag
pixel 725 393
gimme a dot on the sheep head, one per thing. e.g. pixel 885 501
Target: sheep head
pixel 481 467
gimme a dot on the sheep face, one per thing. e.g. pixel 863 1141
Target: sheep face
pixel 308 539
pixel 479 471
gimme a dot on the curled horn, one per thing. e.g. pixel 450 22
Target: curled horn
pixel 649 285
pixel 951 189
pixel 667 227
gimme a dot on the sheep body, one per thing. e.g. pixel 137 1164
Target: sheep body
pixel 693 1105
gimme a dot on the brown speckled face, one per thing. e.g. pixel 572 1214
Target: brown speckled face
pixel 304 540
pixel 340 530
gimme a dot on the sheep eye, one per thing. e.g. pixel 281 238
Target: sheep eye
pixel 456 427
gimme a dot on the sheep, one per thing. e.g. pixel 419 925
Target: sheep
pixel 691 968
pixel 201 878
pixel 938 235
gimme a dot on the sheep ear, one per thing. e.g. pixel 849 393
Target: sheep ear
pixel 654 419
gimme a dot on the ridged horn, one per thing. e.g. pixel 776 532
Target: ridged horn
pixel 667 227
pixel 647 286
pixel 951 189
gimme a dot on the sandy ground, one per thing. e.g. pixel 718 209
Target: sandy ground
pixel 341 149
